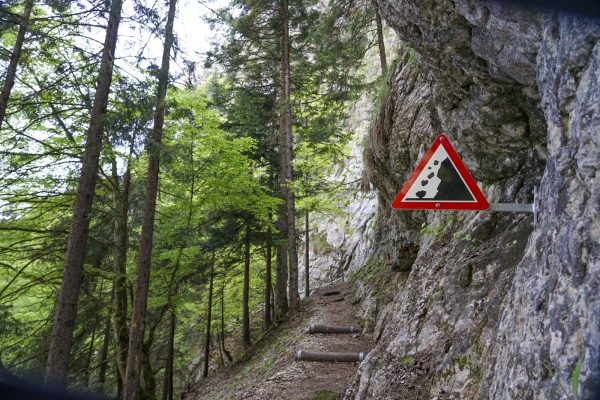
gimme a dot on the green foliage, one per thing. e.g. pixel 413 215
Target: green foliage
pixel 435 231
pixel 467 238
pixel 324 395
pixel 223 172
pixel 558 381
pixel 41 143
pixel 322 85
pixel 319 243
pixel 464 362
pixel 575 378
pixel 380 88
pixel 438 230
pixel 218 177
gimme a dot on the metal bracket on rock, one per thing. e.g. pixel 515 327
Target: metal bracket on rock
pixel 518 207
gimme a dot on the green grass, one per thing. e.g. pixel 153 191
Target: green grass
pixel 438 230
pixel 324 395
pixel 575 379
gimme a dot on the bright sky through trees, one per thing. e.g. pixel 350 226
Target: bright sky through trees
pixel 193 35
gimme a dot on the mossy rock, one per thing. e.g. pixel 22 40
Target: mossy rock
pixel 324 395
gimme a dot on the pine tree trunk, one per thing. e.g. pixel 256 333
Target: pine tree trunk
pixel 227 353
pixel 66 311
pixel 104 356
pixel 11 72
pixel 148 390
pixel 267 316
pixel 121 207
pixel 90 354
pixel 273 304
pixel 136 333
pixel 119 384
pixel 208 318
pixel 281 281
pixel 173 288
pixel 219 341
pixel 285 128
pixel 168 381
pixel 149 387
pixel 306 263
pixel 246 291
pixel 380 41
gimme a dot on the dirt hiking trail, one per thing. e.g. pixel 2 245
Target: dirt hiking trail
pixel 269 370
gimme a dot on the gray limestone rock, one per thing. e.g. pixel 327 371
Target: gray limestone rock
pixel 493 308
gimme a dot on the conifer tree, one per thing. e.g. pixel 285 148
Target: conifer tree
pixel 264 41
pixel 212 179
pixel 66 311
pixel 11 71
pixel 138 317
pixel 286 144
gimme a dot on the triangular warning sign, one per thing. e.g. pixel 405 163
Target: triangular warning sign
pixel 440 182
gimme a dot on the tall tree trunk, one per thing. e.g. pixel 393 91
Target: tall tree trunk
pixel 209 317
pixel 103 363
pixel 104 356
pixel 227 353
pixel 273 318
pixel 138 317
pixel 11 72
pixel 90 354
pixel 168 381
pixel 148 390
pixel 246 291
pixel 306 261
pixel 281 281
pixel 285 128
pixel 66 311
pixel 173 288
pixel 380 41
pixel 219 341
pixel 121 207
pixel 119 383
pixel 168 385
pixel 268 321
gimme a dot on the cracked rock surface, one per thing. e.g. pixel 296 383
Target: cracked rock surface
pixel 493 307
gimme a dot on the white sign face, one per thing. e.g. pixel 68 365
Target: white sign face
pixel 439 180
pixel 428 181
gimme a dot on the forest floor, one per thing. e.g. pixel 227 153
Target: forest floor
pixel 269 370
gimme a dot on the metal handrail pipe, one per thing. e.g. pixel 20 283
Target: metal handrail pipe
pixel 333 329
pixel 329 357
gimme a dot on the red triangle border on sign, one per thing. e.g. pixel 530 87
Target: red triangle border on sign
pixel 480 203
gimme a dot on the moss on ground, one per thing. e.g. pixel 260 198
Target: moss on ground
pixel 324 395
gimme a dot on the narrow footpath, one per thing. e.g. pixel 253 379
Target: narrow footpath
pixel 270 370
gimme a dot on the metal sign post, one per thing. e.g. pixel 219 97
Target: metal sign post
pixel 394 244
pixel 442 182
pixel 518 207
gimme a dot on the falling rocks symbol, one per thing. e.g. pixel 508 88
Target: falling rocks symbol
pixel 440 181
pixel 451 186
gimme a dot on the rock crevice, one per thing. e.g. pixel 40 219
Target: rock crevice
pixel 493 307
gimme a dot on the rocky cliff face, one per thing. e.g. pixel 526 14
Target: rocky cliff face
pixel 493 307
pixel 340 242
